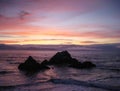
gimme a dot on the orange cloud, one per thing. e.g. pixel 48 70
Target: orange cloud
pixel 88 42
pixel 9 41
pixel 47 32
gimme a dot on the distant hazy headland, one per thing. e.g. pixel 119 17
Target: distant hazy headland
pixel 108 47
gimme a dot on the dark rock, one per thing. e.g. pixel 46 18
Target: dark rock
pixel 76 64
pixel 84 65
pixel 61 58
pixel 31 65
pixel 64 58
pixel 88 64
pixel 45 62
pixel 74 61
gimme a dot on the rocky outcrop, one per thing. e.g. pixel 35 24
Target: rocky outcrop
pixel 88 64
pixel 76 65
pixel 61 58
pixel 84 65
pixel 64 58
pixel 45 62
pixel 31 65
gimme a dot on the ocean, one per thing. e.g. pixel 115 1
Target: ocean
pixel 105 77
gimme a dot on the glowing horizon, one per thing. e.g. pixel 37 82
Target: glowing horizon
pixel 81 22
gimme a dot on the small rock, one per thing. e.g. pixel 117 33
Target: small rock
pixel 45 62
pixel 31 65
pixel 88 64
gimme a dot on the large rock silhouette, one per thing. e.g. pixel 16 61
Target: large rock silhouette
pixel 61 58
pixel 64 58
pixel 32 65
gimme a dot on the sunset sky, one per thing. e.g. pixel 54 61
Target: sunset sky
pixel 79 22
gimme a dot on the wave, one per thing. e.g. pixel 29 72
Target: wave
pixel 19 85
pixel 110 77
pixel 5 72
pixel 67 82
pixel 15 62
pixel 109 68
pixel 83 83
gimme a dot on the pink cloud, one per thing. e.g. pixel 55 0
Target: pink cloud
pixel 49 6
pixel 37 10
pixel 16 17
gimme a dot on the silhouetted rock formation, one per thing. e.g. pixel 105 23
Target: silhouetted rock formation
pixel 76 65
pixel 61 58
pixel 84 65
pixel 64 58
pixel 45 62
pixel 31 65
pixel 88 64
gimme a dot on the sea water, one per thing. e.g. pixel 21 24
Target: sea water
pixel 105 77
